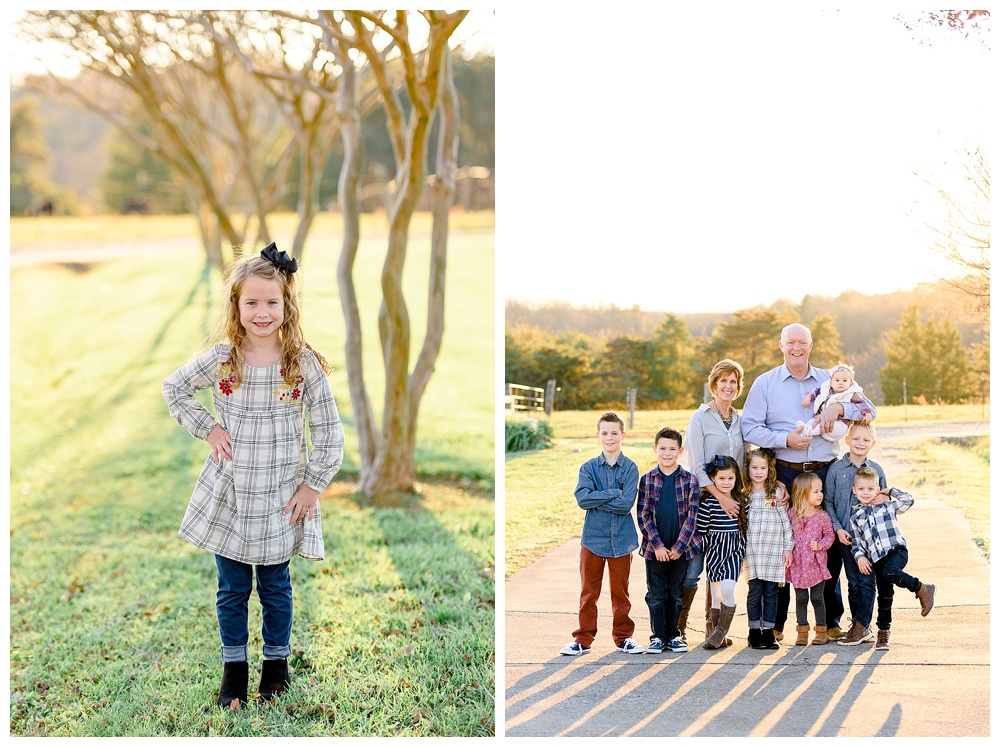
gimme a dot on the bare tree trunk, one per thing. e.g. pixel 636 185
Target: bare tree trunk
pixel 348 197
pixel 394 467
pixel 443 198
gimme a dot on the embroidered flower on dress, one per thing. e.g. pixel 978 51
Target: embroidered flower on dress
pixel 227 379
pixel 287 392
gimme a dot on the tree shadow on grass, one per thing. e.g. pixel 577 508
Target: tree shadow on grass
pixel 427 641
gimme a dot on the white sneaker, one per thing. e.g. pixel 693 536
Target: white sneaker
pixel 628 646
pixel 574 649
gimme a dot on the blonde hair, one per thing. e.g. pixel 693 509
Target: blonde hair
pixel 230 329
pixel 720 369
pixel 801 487
pixel 861 424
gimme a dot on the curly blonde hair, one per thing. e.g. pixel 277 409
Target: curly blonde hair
pixel 230 329
pixel 801 487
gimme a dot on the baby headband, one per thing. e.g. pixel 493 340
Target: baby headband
pixel 842 367
pixel 281 259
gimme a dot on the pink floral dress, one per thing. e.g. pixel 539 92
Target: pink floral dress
pixel 809 566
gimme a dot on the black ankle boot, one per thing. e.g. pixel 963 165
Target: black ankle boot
pixel 273 678
pixel 767 639
pixel 235 676
pixel 753 638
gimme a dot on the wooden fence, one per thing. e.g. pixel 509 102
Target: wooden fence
pixel 519 398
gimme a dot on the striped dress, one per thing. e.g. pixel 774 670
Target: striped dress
pixel 723 544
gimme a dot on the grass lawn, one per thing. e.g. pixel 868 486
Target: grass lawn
pixel 957 471
pixel 540 512
pixel 112 615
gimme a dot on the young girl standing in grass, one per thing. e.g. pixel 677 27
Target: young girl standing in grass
pixel 769 546
pixel 725 539
pixel 255 502
pixel 813 532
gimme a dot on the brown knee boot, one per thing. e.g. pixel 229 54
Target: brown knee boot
pixel 718 637
pixel 709 623
pixel 685 610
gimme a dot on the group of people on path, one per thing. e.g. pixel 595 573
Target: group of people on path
pixel 767 495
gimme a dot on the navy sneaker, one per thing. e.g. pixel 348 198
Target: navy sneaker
pixel 574 649
pixel 677 645
pixel 628 646
pixel 656 646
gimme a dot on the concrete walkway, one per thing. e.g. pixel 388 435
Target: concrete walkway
pixel 934 681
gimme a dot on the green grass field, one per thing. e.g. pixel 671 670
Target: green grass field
pixel 540 513
pixel 112 617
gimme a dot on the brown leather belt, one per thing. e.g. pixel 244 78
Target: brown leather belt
pixel 804 466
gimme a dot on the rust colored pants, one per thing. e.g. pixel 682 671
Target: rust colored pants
pixel 591 578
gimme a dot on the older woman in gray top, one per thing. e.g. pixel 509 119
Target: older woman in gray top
pixel 715 429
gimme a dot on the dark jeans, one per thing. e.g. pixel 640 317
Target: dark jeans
pixel 813 594
pixel 664 594
pixel 889 574
pixel 787 476
pixel 860 588
pixel 274 589
pixel 762 603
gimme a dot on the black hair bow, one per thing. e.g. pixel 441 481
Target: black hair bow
pixel 718 463
pixel 281 259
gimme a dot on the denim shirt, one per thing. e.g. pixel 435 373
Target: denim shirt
pixel 607 493
pixel 838 493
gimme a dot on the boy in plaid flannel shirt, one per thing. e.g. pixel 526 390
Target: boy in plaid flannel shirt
pixel 667 513
pixel 878 546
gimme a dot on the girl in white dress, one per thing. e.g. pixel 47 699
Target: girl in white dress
pixel 255 502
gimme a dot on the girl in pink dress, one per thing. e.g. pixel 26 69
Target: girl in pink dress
pixel 812 531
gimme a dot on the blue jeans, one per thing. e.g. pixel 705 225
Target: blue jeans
pixel 274 589
pixel 664 595
pixel 860 588
pixel 695 566
pixel 762 603
pixel 888 574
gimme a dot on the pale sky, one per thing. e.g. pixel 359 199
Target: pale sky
pixel 712 161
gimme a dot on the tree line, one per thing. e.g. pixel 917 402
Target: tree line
pixel 669 366
pixel 82 163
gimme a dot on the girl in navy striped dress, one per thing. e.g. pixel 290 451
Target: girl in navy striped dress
pixel 725 541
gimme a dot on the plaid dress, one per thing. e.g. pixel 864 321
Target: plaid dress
pixel 769 534
pixel 235 510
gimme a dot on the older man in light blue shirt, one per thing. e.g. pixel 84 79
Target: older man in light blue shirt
pixel 774 408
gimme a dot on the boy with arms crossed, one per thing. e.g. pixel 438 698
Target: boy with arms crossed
pixel 606 490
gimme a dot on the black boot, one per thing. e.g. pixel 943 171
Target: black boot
pixel 273 678
pixel 753 638
pixel 235 676
pixel 767 639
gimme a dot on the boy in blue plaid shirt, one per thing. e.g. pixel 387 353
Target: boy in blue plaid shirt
pixel 667 514
pixel 878 546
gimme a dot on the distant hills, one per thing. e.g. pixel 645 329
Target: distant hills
pixel 861 320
